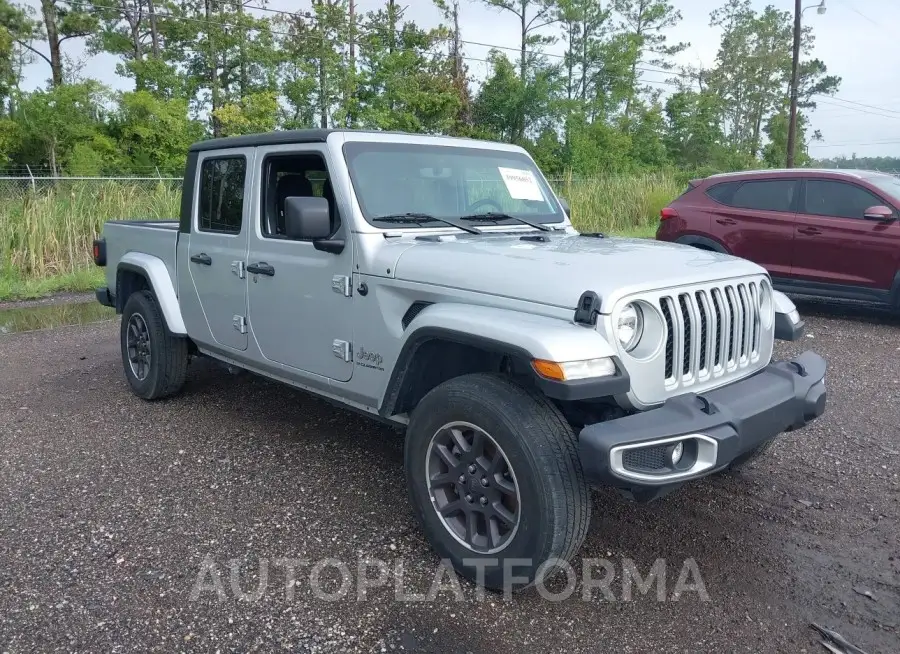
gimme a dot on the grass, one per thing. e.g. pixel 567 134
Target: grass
pixel 13 287
pixel 46 236
pixel 622 204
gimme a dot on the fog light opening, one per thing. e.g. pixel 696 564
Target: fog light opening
pixel 674 453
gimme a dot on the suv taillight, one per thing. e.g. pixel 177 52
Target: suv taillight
pixel 667 212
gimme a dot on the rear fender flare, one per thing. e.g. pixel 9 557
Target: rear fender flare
pixel 154 270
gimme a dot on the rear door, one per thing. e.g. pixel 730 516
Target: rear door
pixel 835 244
pixel 755 220
pixel 218 243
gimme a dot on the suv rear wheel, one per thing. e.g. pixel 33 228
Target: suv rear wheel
pixel 154 359
pixel 494 475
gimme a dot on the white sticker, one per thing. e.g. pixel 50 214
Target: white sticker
pixel 521 184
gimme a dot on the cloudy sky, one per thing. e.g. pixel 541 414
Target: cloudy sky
pixel 857 39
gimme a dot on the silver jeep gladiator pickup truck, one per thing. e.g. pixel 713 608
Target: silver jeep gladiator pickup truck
pixel 438 284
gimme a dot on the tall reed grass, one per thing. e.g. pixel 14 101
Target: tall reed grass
pixel 48 233
pixel 620 204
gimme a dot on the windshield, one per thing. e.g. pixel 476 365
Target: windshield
pixel 447 182
pixel 887 184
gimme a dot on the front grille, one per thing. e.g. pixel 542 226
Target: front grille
pixel 710 332
pixel 645 458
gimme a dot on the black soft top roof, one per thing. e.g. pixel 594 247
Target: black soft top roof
pixel 268 138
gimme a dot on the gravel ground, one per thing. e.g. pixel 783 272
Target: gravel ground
pixel 109 507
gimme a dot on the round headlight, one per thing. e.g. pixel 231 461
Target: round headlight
pixel 630 326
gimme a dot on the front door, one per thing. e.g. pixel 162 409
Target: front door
pixel 299 298
pixel 218 243
pixel 835 244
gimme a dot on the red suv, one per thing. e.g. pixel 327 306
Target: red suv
pixel 831 233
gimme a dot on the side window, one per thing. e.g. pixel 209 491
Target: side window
pixel 768 195
pixel 295 175
pixel 222 195
pixel 837 199
pixel 723 192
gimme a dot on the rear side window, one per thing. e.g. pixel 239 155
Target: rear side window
pixel 222 195
pixel 838 199
pixel 768 195
pixel 723 192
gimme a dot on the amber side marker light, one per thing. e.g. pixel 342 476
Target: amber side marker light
pixel 574 370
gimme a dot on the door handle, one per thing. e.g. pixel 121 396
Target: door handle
pixel 726 221
pixel 201 258
pixel 261 268
pixel 809 231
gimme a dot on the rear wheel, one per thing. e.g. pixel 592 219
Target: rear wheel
pixel 494 475
pixel 154 359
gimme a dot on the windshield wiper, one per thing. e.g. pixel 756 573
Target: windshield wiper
pixel 497 216
pixel 415 218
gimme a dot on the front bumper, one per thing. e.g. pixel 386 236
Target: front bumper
pixel 716 427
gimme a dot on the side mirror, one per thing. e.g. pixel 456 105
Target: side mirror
pixel 879 212
pixel 565 206
pixel 309 219
pixel 306 219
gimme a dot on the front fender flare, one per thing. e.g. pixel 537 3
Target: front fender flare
pixel 157 275
pixel 528 336
pixel 788 324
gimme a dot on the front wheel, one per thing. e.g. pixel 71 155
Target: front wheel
pixel 495 480
pixel 155 360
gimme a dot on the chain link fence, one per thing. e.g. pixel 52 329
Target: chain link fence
pixel 13 186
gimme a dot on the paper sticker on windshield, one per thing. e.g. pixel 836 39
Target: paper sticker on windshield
pixel 521 184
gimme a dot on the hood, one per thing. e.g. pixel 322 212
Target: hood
pixel 557 272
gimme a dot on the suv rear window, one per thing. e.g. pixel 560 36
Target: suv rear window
pixel 723 192
pixel 764 195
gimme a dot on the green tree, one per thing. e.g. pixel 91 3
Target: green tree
pixel 61 23
pixel 403 83
pixel 644 23
pixel 315 77
pixel 153 132
pixel 532 15
pixel 55 121
pixel 506 103
pixel 15 30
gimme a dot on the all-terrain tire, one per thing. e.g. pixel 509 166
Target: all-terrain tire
pixel 541 449
pixel 168 353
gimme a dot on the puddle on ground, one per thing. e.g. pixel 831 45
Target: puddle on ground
pixel 55 315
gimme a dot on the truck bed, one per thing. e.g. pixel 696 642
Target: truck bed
pixel 158 238
pixel 152 224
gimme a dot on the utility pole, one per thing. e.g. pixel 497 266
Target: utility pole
pixel 795 73
pixel 351 84
pixel 795 76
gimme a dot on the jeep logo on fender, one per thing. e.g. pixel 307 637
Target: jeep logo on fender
pixel 369 359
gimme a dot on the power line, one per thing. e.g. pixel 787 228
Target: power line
pixel 857 143
pixel 97 8
pixel 858 13
pixel 862 111
pixel 860 104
